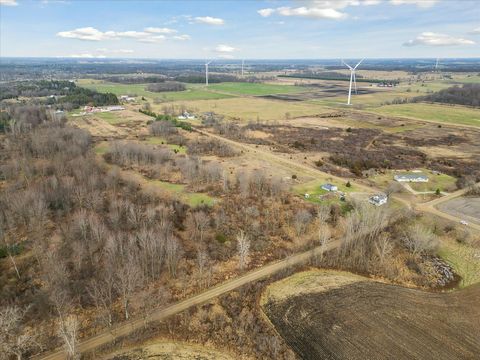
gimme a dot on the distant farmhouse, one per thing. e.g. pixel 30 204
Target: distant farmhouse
pixel 412 177
pixel 127 98
pixel 378 199
pixel 329 187
pixel 186 116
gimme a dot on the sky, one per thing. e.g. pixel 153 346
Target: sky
pixel 315 29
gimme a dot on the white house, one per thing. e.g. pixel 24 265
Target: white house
pixel 378 199
pixel 329 187
pixel 186 116
pixel 412 177
pixel 127 98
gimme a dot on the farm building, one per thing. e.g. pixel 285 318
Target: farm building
pixel 411 178
pixel 186 116
pixel 127 98
pixel 329 187
pixel 378 199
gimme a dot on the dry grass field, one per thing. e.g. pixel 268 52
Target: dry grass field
pixel 346 317
pixel 164 350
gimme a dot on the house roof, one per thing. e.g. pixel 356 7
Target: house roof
pixel 411 176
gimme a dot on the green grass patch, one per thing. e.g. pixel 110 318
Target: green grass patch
pixel 156 140
pixel 111 117
pixel 258 89
pixel 443 182
pixel 313 188
pixel 433 112
pixel 191 198
pixel 101 148
pixel 462 258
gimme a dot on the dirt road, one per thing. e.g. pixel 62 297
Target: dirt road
pixel 162 313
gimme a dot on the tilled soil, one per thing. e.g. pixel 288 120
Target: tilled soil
pixel 371 320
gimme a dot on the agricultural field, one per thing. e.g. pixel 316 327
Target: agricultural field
pixel 448 114
pixel 344 316
pixel 255 89
pixel 252 109
pixel 467 208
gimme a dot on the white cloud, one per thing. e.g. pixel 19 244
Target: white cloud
pixel 150 35
pixel 9 2
pixel 435 39
pixel 209 20
pixel 318 9
pixel 87 56
pixel 316 13
pixel 152 39
pixel 266 12
pixel 475 31
pixel 182 37
pixel 115 51
pixel 222 48
pixel 156 30
pixel 87 33
pixel 419 3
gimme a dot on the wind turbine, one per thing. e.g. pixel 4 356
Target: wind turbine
pixel 206 72
pixel 436 64
pixel 352 79
pixel 243 63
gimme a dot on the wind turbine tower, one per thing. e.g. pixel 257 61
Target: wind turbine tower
pixel 206 72
pixel 243 63
pixel 436 64
pixel 352 79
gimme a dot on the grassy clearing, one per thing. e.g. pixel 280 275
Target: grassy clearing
pixel 156 140
pixel 101 148
pixel 313 188
pixel 464 259
pixel 190 198
pixel 433 112
pixel 193 92
pixel 441 181
pixel 306 282
pixel 240 88
pixel 247 109
pixel 111 117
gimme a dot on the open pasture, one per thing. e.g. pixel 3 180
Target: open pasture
pixel 449 114
pixel 255 89
pixel 252 109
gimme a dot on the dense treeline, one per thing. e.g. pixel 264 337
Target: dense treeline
pixel 11 90
pixel 468 94
pixel 61 94
pixel 135 79
pixel 79 96
pixel 170 118
pixel 166 86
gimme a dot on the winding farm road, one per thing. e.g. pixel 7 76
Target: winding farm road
pixel 128 327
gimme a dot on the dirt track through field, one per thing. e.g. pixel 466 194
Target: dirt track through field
pixel 162 313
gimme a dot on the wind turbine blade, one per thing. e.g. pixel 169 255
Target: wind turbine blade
pixel 358 63
pixel 344 63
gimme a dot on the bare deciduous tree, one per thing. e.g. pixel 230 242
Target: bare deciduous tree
pixel 301 220
pixel 420 240
pixel 68 332
pixel 243 249
pixel 15 340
